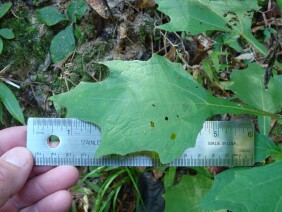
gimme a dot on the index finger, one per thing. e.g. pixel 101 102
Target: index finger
pixel 12 137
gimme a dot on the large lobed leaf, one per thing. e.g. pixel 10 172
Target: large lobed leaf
pixel 249 87
pixel 186 196
pixel 249 189
pixel 152 105
pixel 198 16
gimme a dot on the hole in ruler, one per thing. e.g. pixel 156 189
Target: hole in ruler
pixel 53 141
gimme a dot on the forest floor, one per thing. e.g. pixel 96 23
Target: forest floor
pixel 126 30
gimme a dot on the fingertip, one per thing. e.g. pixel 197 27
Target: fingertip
pixel 15 167
pixel 12 137
pixel 61 199
pixel 58 201
pixel 20 157
pixel 72 173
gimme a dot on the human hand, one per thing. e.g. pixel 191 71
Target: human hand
pixel 27 188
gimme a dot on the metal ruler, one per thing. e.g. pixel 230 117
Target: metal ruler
pixel 219 143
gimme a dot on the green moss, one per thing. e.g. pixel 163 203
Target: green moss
pixel 28 49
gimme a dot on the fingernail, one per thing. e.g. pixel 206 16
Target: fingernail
pixel 18 156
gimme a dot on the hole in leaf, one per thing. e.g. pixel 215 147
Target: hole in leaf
pixel 53 141
pixel 152 124
pixel 173 136
pixel 166 118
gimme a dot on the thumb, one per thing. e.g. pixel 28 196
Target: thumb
pixel 15 167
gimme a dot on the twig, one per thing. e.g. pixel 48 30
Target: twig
pixel 15 14
pixel 6 80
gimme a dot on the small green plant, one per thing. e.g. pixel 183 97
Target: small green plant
pixel 110 182
pixel 63 44
pixel 9 100
pixel 5 33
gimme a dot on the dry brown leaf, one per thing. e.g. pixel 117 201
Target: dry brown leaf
pixel 171 54
pixel 206 42
pixel 100 7
pixel 246 56
pixel 142 4
pixel 122 31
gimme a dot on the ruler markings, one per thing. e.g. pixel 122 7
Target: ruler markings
pixel 219 143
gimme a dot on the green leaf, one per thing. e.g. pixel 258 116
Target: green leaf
pixel 169 178
pixel 247 189
pixel 264 148
pixel 207 67
pixel 249 86
pixel 279 2
pixel 186 196
pixel 10 102
pixel 198 16
pixel 4 8
pixel 232 42
pixel 215 59
pixel 228 39
pixel 264 123
pixel 78 34
pixel 7 33
pixel 62 45
pixel 152 105
pixel 49 16
pixel 76 10
pixel 1 45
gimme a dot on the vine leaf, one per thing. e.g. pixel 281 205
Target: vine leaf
pixel 152 105
pixel 62 45
pixel 232 16
pixel 251 79
pixel 247 189
pixel 76 10
pixel 7 33
pixel 50 16
pixel 9 100
pixel 4 8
